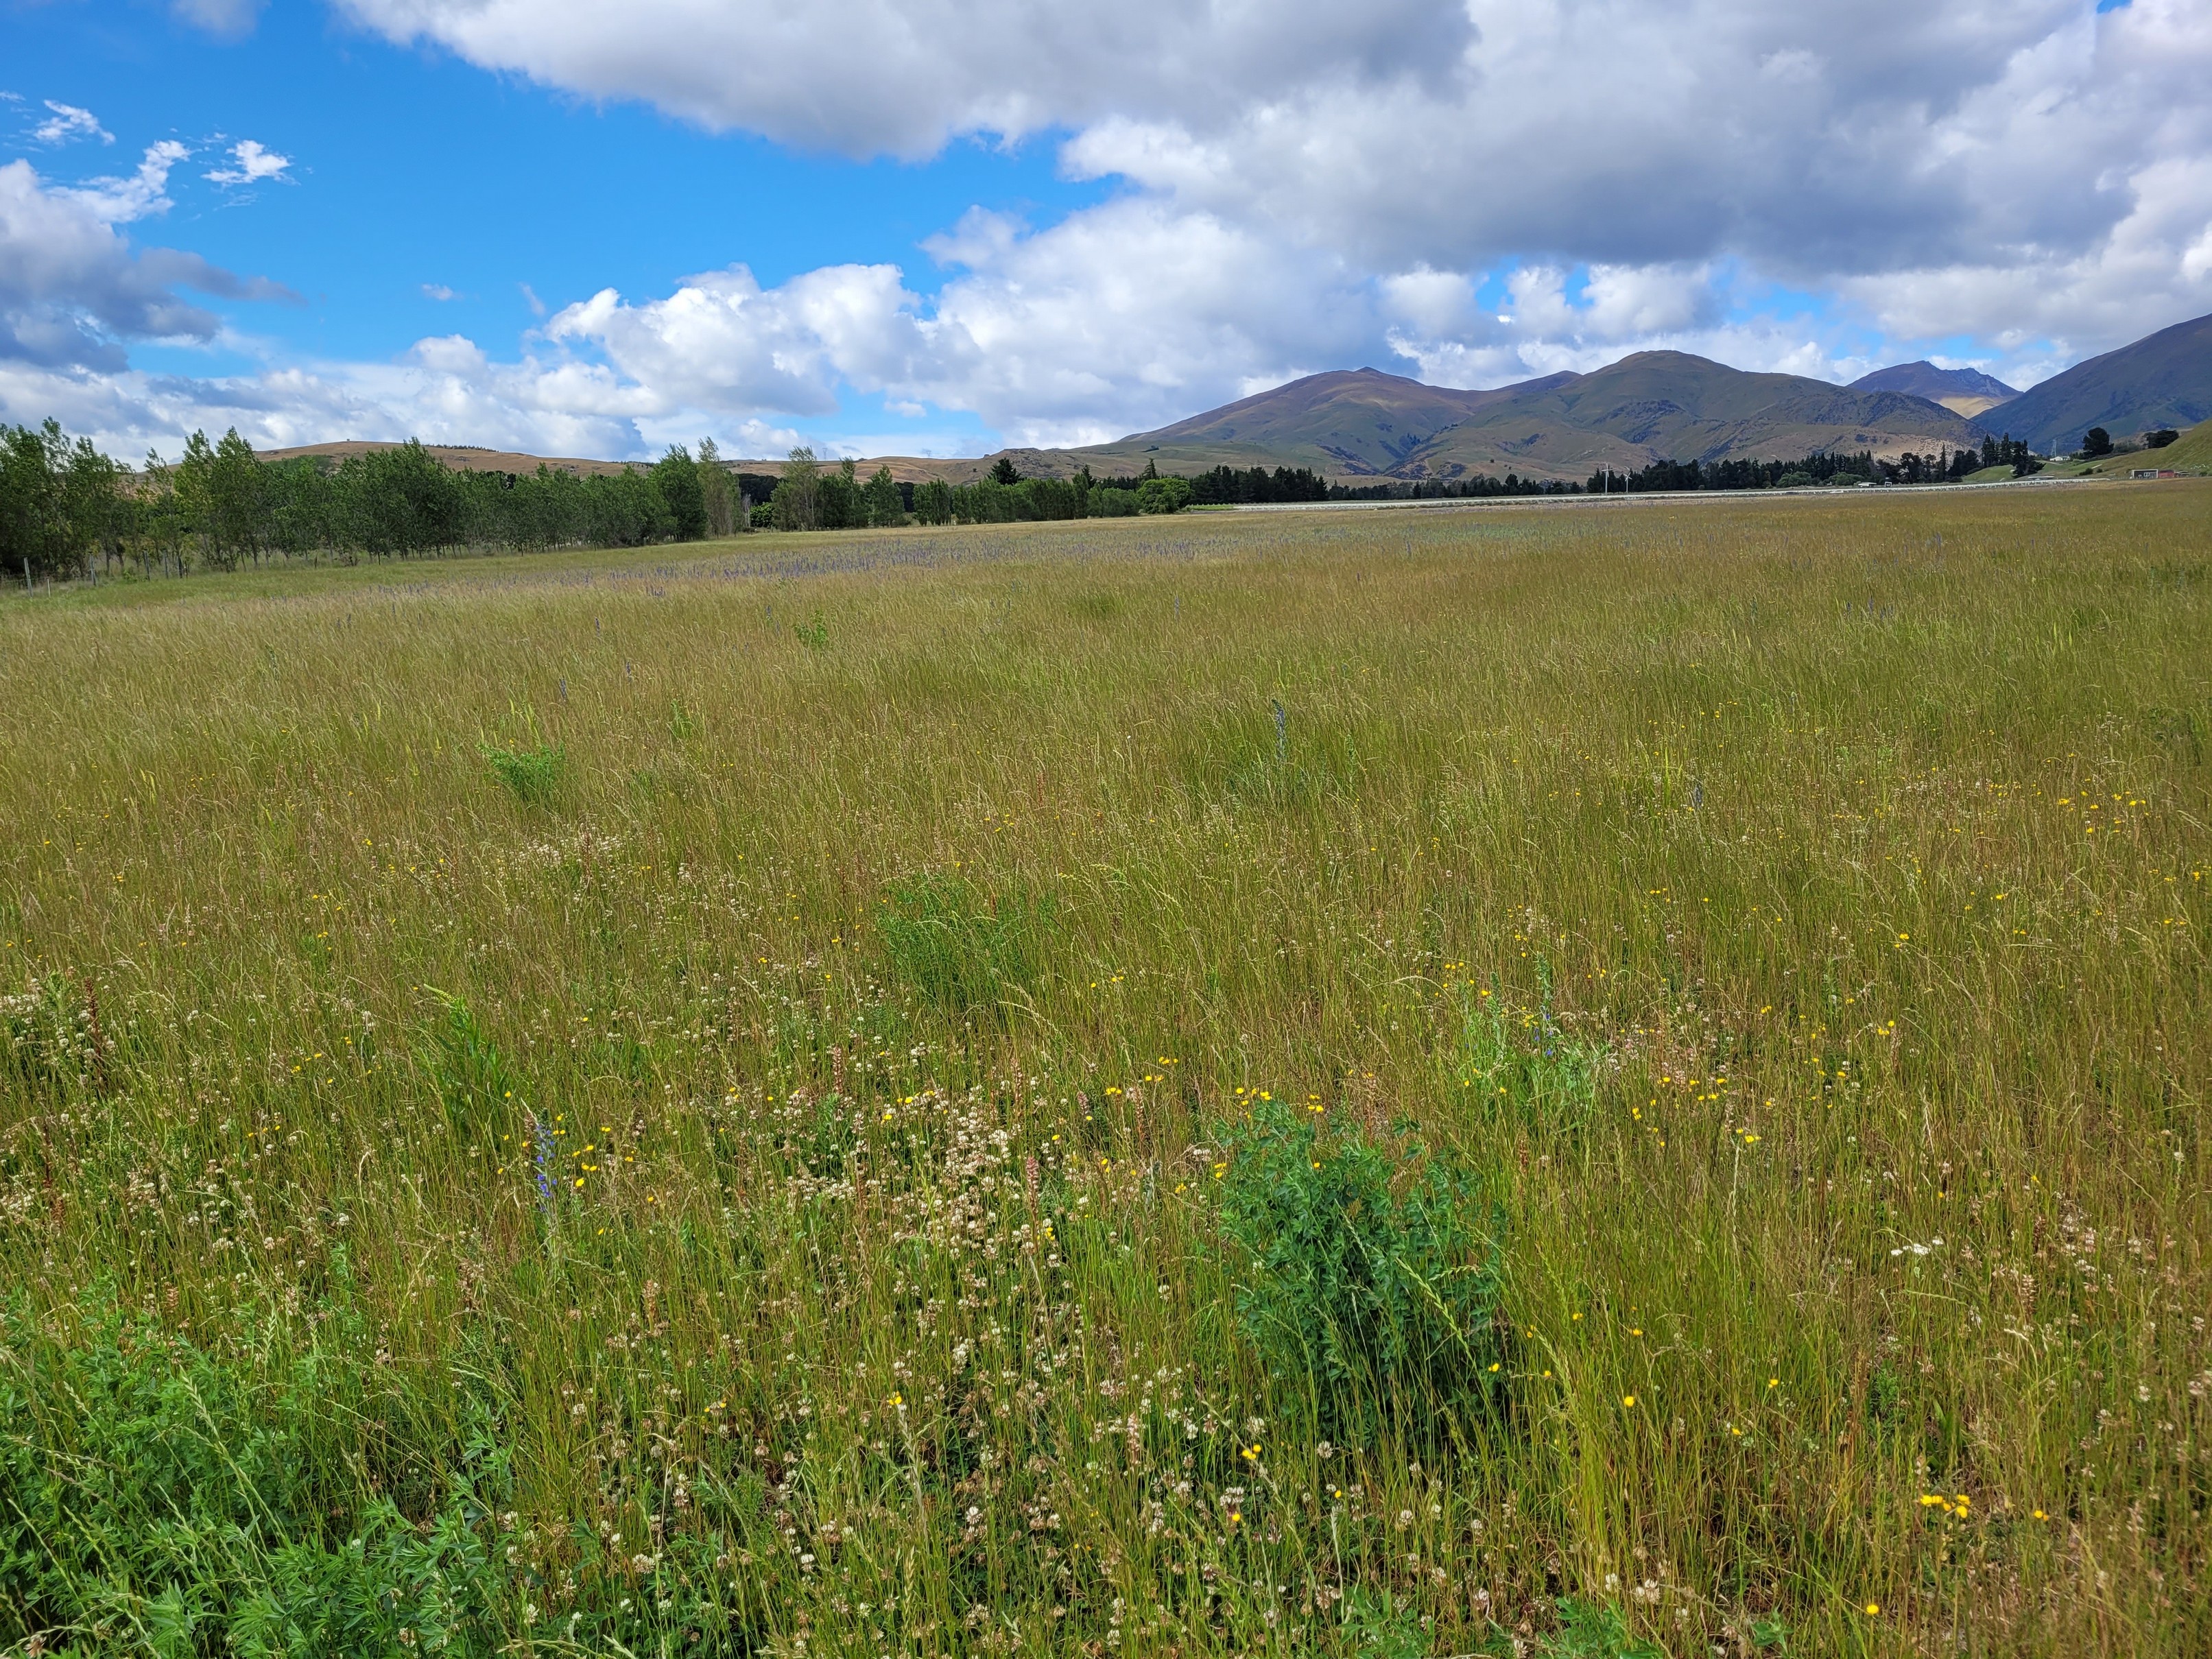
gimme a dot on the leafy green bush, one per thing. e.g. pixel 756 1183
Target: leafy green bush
pixel 1163 494
pixel 1383 1626
pixel 1588 1630
pixel 1532 1078
pixel 155 1497
pixel 959 949
pixel 1380 1300
pixel 530 775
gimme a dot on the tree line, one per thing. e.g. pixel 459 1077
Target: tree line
pixel 812 496
pixel 1472 487
pixel 66 510
pixel 1945 465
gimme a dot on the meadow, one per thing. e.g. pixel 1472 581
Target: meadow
pixel 1607 1082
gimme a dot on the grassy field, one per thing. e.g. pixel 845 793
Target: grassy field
pixel 809 1099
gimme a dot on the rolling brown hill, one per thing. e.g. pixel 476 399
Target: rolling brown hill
pixel 461 458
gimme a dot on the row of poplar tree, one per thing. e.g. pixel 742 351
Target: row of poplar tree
pixel 811 496
pixel 66 510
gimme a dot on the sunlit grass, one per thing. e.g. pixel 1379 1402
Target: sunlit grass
pixel 763 1185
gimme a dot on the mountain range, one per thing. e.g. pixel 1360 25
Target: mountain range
pixel 1661 405
pixel 1362 426
pixel 1966 391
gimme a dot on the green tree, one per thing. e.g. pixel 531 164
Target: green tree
pixel 94 505
pixel 1003 473
pixel 300 500
pixel 196 499
pixel 61 503
pixel 840 506
pixel 677 475
pixel 932 501
pixel 2096 442
pixel 162 531
pixel 1158 494
pixel 236 506
pixel 717 493
pixel 33 537
pixel 400 500
pixel 886 507
pixel 798 493
pixel 626 509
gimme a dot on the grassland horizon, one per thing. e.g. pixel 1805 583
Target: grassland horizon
pixel 1591 1084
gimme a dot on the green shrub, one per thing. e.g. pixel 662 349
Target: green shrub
pixel 959 949
pixel 531 776
pixel 1378 1300
pixel 1163 494
pixel 155 1497
pixel 1531 1077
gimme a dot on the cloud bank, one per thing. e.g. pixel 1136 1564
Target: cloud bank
pixel 1472 192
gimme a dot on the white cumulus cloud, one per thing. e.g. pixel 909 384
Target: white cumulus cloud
pixel 1475 191
pixel 251 163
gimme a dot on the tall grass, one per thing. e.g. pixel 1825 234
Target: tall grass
pixel 660 1217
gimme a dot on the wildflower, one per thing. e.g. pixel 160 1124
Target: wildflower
pixel 542 1136
pixel 1874 1609
pixel 1629 1400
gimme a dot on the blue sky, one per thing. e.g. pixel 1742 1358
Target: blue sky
pixel 1040 224
pixel 412 172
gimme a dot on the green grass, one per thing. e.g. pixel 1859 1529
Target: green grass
pixel 787 1184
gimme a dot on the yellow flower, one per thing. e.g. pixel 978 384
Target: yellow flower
pixel 1874 1609
pixel 1628 1400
